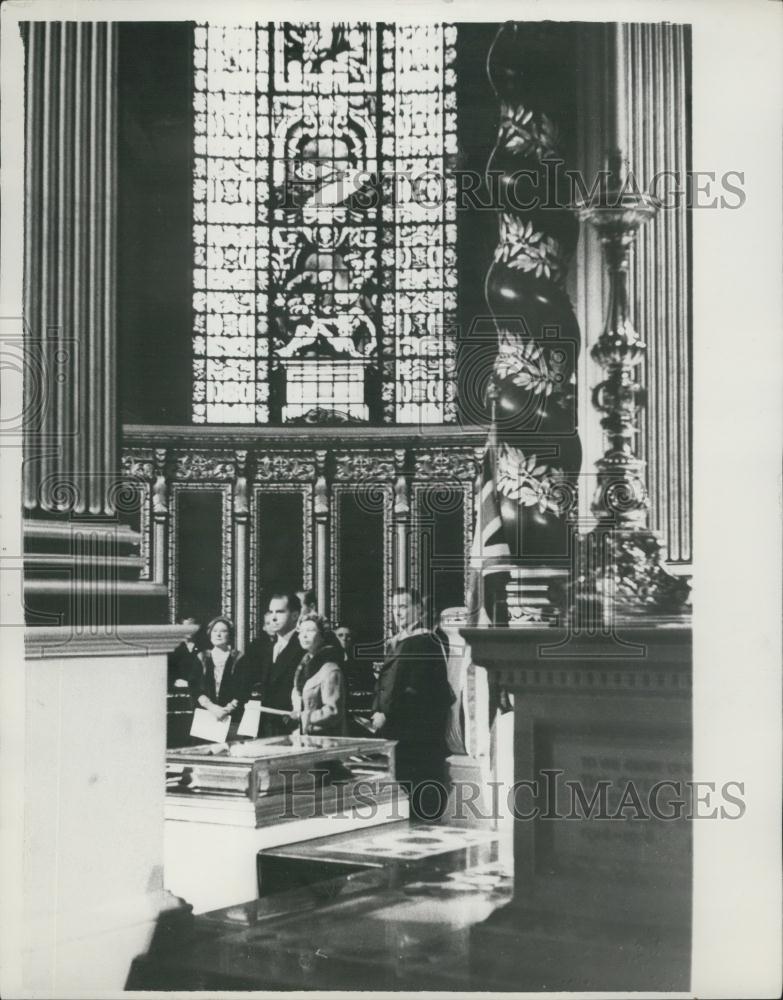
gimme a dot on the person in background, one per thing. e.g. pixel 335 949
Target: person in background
pixel 318 694
pixel 222 685
pixel 309 607
pixel 344 636
pixel 266 628
pixel 272 664
pixel 359 676
pixel 183 662
pixel 411 705
pixel 308 601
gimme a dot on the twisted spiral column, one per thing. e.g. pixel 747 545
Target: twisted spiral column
pixel 538 453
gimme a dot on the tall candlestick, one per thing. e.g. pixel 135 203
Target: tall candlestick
pixel 618 106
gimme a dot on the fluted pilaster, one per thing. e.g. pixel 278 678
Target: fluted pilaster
pixel 656 83
pixel 70 260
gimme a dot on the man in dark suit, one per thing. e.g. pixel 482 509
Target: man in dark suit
pixel 273 663
pixel 183 662
pixel 358 674
pixel 411 705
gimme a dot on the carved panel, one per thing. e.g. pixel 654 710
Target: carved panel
pixel 446 463
pixel 587 682
pixel 226 554
pixel 380 497
pixel 306 492
pixel 138 464
pixel 145 530
pixel 423 517
pixel 204 465
pixel 289 466
pixel 363 466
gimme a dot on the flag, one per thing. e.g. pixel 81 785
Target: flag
pixel 489 555
pixel 489 552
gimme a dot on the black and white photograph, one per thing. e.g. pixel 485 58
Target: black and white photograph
pixel 391 537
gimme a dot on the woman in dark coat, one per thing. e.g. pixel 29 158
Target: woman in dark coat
pixel 222 685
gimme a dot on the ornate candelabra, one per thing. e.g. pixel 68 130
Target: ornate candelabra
pixel 620 572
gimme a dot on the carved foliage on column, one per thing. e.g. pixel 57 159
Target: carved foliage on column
pixel 534 374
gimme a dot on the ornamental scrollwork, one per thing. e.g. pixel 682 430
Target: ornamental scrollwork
pixel 359 466
pixel 138 464
pixel 197 465
pixel 285 467
pixel 446 464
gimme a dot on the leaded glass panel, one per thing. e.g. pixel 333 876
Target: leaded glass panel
pixel 324 235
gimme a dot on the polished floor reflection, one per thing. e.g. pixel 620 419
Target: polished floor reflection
pixel 395 922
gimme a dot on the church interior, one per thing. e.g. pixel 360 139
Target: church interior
pixel 354 311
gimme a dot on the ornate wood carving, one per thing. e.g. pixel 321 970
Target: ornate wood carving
pixel 534 378
pixel 289 466
pixel 447 463
pixel 380 497
pixel 305 490
pixel 204 465
pixel 138 464
pixel 160 512
pixel 621 572
pixel 387 478
pixel 321 511
pixel 364 466
pixel 321 491
pixel 177 488
pixel 401 493
pixel 241 515
pixel 160 500
pixel 241 507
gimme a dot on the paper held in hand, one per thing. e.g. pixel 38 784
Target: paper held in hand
pixel 206 727
pixel 251 719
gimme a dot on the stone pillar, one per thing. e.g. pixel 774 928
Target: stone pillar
pixel 92 872
pixel 71 458
pixel 655 76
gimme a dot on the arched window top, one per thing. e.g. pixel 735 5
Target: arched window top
pixel 324 223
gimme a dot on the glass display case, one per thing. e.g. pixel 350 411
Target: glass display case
pixel 280 778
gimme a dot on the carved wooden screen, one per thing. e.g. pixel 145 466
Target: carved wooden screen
pixel 324 223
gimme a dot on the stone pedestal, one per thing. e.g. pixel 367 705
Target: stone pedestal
pixel 94 765
pixel 602 890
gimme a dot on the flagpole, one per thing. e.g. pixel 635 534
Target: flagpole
pixel 492 445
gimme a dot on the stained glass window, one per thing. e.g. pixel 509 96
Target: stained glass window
pixel 324 223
